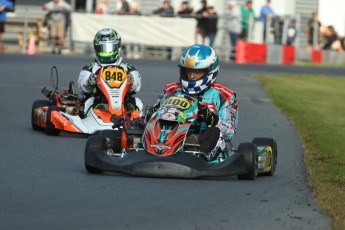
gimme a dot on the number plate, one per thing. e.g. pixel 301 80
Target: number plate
pixel 177 102
pixel 114 76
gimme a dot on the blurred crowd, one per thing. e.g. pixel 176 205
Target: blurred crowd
pixel 240 21
pixel 323 36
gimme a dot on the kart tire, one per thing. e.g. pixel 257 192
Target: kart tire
pixel 250 153
pixel 50 127
pixel 264 141
pixel 95 140
pixel 35 105
pixel 115 139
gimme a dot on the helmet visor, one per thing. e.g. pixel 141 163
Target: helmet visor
pixel 106 47
pixel 192 74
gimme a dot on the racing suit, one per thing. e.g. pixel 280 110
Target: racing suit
pixel 221 101
pixel 132 103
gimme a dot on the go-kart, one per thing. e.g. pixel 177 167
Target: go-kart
pixel 66 110
pixel 162 149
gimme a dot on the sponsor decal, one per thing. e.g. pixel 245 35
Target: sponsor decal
pixel 160 146
pixel 181 117
pixel 60 118
pixel 168 116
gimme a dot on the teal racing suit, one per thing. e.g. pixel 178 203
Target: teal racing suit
pixel 219 99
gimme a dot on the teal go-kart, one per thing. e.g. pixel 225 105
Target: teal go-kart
pixel 161 149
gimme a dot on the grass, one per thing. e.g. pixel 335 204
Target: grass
pixel 307 63
pixel 316 106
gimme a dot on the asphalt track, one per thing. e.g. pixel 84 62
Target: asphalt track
pixel 44 184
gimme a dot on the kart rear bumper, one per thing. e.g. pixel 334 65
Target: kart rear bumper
pixel 182 165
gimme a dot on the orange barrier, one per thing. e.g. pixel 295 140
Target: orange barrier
pixel 316 56
pixel 250 53
pixel 289 53
pixel 241 52
pixel 258 53
pixel 31 50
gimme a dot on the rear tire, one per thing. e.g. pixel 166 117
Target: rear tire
pixel 95 140
pixel 250 154
pixel 264 141
pixel 35 105
pixel 50 128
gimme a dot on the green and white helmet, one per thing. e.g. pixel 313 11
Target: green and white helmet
pixel 107 45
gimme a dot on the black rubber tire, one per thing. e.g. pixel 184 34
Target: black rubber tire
pixel 250 154
pixel 115 139
pixel 265 141
pixel 35 105
pixel 50 128
pixel 95 140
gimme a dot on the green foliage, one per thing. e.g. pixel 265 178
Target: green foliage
pixel 316 106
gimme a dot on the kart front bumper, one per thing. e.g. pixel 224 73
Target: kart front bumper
pixel 182 165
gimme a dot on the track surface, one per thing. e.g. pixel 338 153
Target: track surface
pixel 44 184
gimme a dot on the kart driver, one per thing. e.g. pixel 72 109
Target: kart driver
pixel 218 110
pixel 107 46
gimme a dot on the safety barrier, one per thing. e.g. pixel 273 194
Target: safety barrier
pixel 264 54
pixel 252 53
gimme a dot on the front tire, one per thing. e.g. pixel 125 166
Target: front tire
pixel 264 141
pixel 250 154
pixel 35 105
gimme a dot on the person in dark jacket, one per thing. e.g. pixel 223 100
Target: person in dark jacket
pixel 330 36
pixel 212 24
pixel 184 10
pixel 201 18
pixel 166 10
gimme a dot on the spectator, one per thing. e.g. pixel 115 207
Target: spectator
pixel 125 9
pixel 212 24
pixel 166 10
pixel 103 7
pixel 57 12
pixel 201 25
pixel 291 33
pixel 133 8
pixel 266 12
pixel 342 44
pixel 248 16
pixel 314 20
pixel 234 26
pixel 184 11
pixel 4 7
pixel 331 39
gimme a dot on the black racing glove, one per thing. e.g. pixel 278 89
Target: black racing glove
pixel 207 116
pixel 149 111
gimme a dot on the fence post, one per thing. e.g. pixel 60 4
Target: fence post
pixel 26 23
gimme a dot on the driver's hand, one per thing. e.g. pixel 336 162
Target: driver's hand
pixel 207 116
pixel 92 80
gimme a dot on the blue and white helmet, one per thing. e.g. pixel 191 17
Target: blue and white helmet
pixel 198 57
